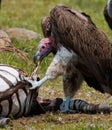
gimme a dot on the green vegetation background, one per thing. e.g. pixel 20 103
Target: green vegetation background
pixel 28 14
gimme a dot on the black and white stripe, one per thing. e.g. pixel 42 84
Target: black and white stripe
pixel 15 97
pixel 81 106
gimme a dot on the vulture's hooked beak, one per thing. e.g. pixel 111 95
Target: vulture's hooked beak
pixel 44 48
pixel 40 55
pixel 37 57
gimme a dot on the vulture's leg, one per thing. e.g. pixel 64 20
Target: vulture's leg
pixel 65 108
pixel 36 84
pixel 72 81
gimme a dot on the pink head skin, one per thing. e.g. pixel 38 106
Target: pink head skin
pixel 46 46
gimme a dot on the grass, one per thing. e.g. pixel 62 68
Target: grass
pixel 27 14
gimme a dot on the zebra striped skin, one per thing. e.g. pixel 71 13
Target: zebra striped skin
pixel 15 97
pixel 81 106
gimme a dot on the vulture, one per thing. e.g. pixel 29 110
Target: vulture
pixel 76 32
pixel 16 100
pixel 63 64
pixel 108 13
pixel 79 34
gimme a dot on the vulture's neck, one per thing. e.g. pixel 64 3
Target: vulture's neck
pixel 109 8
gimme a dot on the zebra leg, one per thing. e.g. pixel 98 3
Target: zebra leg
pixel 4 121
pixel 80 106
pixel 84 107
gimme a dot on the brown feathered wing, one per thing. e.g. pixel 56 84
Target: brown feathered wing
pixel 77 32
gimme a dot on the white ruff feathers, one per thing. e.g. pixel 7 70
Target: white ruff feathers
pixel 59 63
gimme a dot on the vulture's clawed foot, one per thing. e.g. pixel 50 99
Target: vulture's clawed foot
pixel 34 82
pixel 65 108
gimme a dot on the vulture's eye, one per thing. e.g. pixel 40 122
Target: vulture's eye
pixel 43 47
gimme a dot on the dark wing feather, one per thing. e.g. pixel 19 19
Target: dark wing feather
pixel 77 32
pixel 46 28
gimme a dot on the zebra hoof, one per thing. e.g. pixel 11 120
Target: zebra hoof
pixel 4 121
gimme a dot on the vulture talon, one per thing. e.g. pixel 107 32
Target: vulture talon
pixel 35 84
pixel 66 106
pixel 69 111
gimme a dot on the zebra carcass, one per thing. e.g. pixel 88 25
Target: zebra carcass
pixel 16 99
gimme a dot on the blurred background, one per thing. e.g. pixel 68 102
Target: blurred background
pixel 28 14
